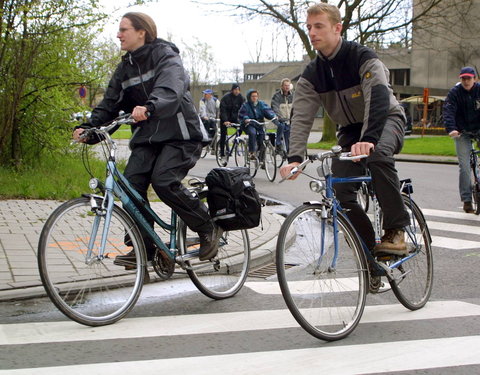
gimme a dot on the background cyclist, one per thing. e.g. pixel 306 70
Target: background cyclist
pixel 282 106
pixel 254 109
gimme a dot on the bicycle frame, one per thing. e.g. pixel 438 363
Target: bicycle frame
pixel 331 203
pixel 116 185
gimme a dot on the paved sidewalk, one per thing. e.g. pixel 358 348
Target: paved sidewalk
pixel 21 222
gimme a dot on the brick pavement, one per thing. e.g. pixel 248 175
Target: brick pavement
pixel 21 223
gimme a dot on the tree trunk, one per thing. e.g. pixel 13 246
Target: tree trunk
pixel 329 132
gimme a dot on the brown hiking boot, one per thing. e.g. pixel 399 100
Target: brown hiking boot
pixel 393 242
pixel 468 208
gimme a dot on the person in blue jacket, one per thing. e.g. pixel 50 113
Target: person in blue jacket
pixel 461 113
pixel 254 109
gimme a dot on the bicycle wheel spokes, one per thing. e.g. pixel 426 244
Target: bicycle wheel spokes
pixel 89 289
pixel 225 275
pixel 270 162
pixel 324 290
pixel 414 278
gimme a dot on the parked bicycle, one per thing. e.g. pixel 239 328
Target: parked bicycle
pixel 325 270
pixel 82 237
pixel 475 171
pixel 235 146
pixel 264 158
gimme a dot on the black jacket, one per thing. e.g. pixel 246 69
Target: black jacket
pixel 229 107
pixel 153 76
pixel 461 110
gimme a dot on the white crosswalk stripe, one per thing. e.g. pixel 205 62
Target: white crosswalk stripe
pixel 455 241
pixel 29 333
pixel 347 359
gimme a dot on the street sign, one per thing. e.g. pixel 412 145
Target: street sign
pixel 82 91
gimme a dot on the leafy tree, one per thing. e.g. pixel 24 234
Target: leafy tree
pixel 40 44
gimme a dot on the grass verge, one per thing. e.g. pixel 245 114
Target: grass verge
pixel 428 145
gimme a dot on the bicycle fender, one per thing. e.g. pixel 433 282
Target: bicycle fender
pixel 313 202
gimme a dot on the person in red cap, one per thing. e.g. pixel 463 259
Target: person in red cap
pixel 461 113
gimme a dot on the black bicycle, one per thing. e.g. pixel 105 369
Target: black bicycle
pixel 235 146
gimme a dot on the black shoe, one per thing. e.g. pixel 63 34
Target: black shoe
pixel 209 243
pixel 129 260
pixel 278 149
pixel 468 208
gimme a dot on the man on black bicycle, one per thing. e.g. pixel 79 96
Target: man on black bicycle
pixel 152 84
pixel 229 106
pixel 352 84
pixel 461 113
pixel 208 108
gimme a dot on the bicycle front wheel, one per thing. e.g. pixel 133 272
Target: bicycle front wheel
pixel 413 280
pixel 223 276
pixel 324 288
pixel 83 283
pixel 241 153
pixel 270 162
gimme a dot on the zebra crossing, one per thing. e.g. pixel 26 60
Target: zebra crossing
pixel 402 355
pixel 442 337
pixel 451 235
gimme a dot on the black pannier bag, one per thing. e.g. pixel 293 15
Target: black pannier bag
pixel 232 199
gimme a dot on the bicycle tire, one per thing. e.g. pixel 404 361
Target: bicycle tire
pixel 222 161
pixel 327 302
pixel 205 151
pixel 95 292
pixel 270 162
pixel 414 278
pixel 476 200
pixel 252 165
pixel 224 276
pixel 241 153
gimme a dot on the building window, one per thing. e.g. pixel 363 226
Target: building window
pixel 253 76
pixel 400 77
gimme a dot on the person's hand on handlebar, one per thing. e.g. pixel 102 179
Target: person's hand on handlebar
pixel 77 135
pixel 140 113
pixel 287 169
pixel 361 148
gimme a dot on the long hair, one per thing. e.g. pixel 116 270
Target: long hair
pixel 142 21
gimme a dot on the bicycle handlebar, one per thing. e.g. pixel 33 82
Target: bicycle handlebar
pixel 335 152
pixel 262 123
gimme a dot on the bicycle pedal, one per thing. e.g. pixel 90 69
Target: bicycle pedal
pixel 385 257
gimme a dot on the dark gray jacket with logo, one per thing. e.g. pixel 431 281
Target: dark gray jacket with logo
pixel 352 85
pixel 153 76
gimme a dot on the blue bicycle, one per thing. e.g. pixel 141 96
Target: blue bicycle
pixel 325 270
pixel 82 237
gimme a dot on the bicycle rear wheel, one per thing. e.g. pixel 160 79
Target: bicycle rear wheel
pixel 89 288
pixel 414 278
pixel 270 162
pixel 324 290
pixel 224 275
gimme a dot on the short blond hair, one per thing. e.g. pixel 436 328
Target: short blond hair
pixel 332 12
pixel 285 80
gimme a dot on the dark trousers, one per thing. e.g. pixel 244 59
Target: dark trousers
pixel 381 165
pixel 223 139
pixel 165 166
pixel 210 126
